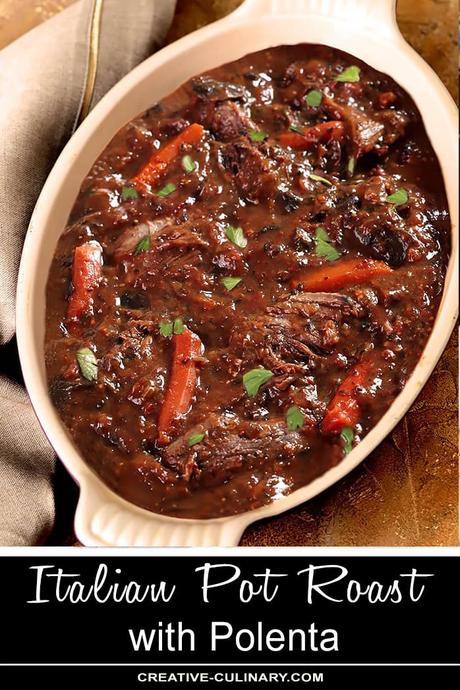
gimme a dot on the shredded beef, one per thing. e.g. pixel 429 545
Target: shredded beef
pixel 230 444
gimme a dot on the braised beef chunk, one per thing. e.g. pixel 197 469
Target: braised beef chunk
pixel 215 90
pixel 226 120
pixel 382 240
pixel 130 238
pixel 293 333
pixel 229 444
pixel 248 277
pixel 395 123
pixel 364 131
pixel 251 171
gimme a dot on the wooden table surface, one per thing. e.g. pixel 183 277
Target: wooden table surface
pixel 406 492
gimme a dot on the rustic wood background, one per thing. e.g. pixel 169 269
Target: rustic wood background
pixel 405 493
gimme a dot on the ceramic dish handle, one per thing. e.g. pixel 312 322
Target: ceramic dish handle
pixel 102 521
pixel 367 12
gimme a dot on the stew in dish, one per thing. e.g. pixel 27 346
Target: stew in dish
pixel 248 277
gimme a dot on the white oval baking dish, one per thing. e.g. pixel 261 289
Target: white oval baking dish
pixel 366 29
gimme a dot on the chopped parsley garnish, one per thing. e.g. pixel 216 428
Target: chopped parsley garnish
pixel 166 328
pixel 188 164
pixel 323 246
pixel 178 326
pixel 318 178
pixel 194 439
pixel 257 135
pixel 167 189
pixel 295 418
pixel 236 235
pixel 398 198
pixel 254 379
pixel 347 436
pixel 129 193
pixel 313 98
pixel 142 246
pixel 87 363
pixel 351 165
pixel 298 129
pixel 230 282
pixel 350 74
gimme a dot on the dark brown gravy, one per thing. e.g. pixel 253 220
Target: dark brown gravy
pixel 337 356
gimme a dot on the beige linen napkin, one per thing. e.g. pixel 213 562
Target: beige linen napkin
pixel 47 85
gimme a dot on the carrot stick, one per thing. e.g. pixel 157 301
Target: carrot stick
pixel 324 132
pixel 160 160
pixel 294 140
pixel 182 382
pixel 338 274
pixel 86 276
pixel 343 410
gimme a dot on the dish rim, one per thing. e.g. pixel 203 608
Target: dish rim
pixel 100 508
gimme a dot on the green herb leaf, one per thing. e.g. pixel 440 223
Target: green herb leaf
pixel 166 328
pixel 257 135
pixel 350 74
pixel 129 193
pixel 167 189
pixel 295 419
pixel 351 165
pixel 398 198
pixel 236 235
pixel 298 129
pixel 194 439
pixel 230 282
pixel 188 164
pixel 142 246
pixel 87 363
pixel 313 98
pixel 347 435
pixel 178 326
pixel 323 246
pixel 254 379
pixel 318 178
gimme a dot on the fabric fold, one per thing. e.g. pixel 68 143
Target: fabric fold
pixel 43 83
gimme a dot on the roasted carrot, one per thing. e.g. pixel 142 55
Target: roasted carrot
pixel 151 173
pixel 86 276
pixel 343 410
pixel 324 132
pixel 182 382
pixel 294 140
pixel 338 274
